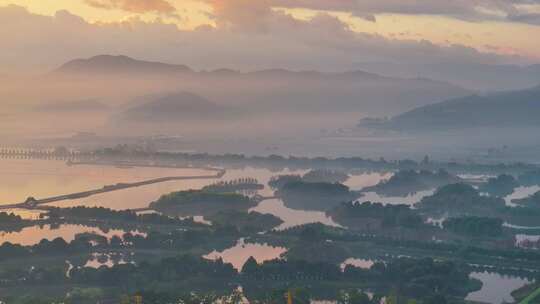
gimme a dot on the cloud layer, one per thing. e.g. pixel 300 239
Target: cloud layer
pixel 134 6
pixel 242 40
pixel 508 10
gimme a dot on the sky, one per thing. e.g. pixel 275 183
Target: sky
pixel 251 34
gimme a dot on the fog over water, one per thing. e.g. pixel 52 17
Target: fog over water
pixel 269 151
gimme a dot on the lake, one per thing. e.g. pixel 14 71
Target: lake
pixel 38 178
pixel 20 179
pixel 33 235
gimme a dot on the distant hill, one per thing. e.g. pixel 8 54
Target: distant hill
pixel 108 64
pixel 482 77
pixel 168 108
pixel 507 109
pixel 72 106
pixel 263 91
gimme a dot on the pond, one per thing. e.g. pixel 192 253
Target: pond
pixel 360 263
pixel 44 178
pixel 240 253
pixel 410 199
pixel 97 260
pixel 33 235
pixel 521 192
pixel 497 288
pixel 20 179
pixel 360 181
pixel 291 217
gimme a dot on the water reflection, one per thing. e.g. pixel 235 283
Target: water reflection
pixel 97 260
pixel 25 213
pixel 410 199
pixel 39 178
pixel 240 253
pixel 261 174
pixel 291 217
pixel 33 235
pixel 521 192
pixel 360 181
pixel 497 288
pixel 360 263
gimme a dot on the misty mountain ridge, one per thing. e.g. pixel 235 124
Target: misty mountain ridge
pixel 264 91
pixel 108 64
pixel 505 109
pixel 111 64
pixel 171 107
pixel 476 76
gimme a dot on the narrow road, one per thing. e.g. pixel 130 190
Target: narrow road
pixel 33 203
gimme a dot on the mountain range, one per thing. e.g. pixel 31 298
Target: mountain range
pixel 474 76
pixel 108 64
pixel 172 107
pixel 268 91
pixel 519 108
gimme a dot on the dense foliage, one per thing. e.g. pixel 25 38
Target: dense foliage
pixel 529 178
pixel 241 184
pixel 501 185
pixel 277 182
pixel 101 214
pixel 197 202
pixel 246 222
pixel 369 215
pixel 404 182
pixel 475 226
pixel 11 222
pixel 325 176
pixel 459 199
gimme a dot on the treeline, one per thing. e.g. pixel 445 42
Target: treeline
pixel 279 162
pixel 240 184
pixel 475 226
pixel 178 240
pixel 405 182
pixel 100 214
pixel 388 216
pixel 415 278
pixel 189 197
pixel 11 222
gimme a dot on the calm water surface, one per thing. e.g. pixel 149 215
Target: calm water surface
pixel 497 288
pixel 521 192
pixel 360 181
pixel 410 199
pixel 292 217
pixel 33 235
pixel 360 263
pixel 20 179
pixel 240 253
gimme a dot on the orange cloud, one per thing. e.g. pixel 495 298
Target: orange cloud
pixel 134 6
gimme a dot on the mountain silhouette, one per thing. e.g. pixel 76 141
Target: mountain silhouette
pixel 506 109
pixel 108 64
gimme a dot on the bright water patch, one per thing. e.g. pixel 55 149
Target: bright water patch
pixel 497 288
pixel 33 235
pixel 291 217
pixel 410 199
pixel 240 253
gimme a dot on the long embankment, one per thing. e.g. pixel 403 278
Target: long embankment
pixel 33 203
